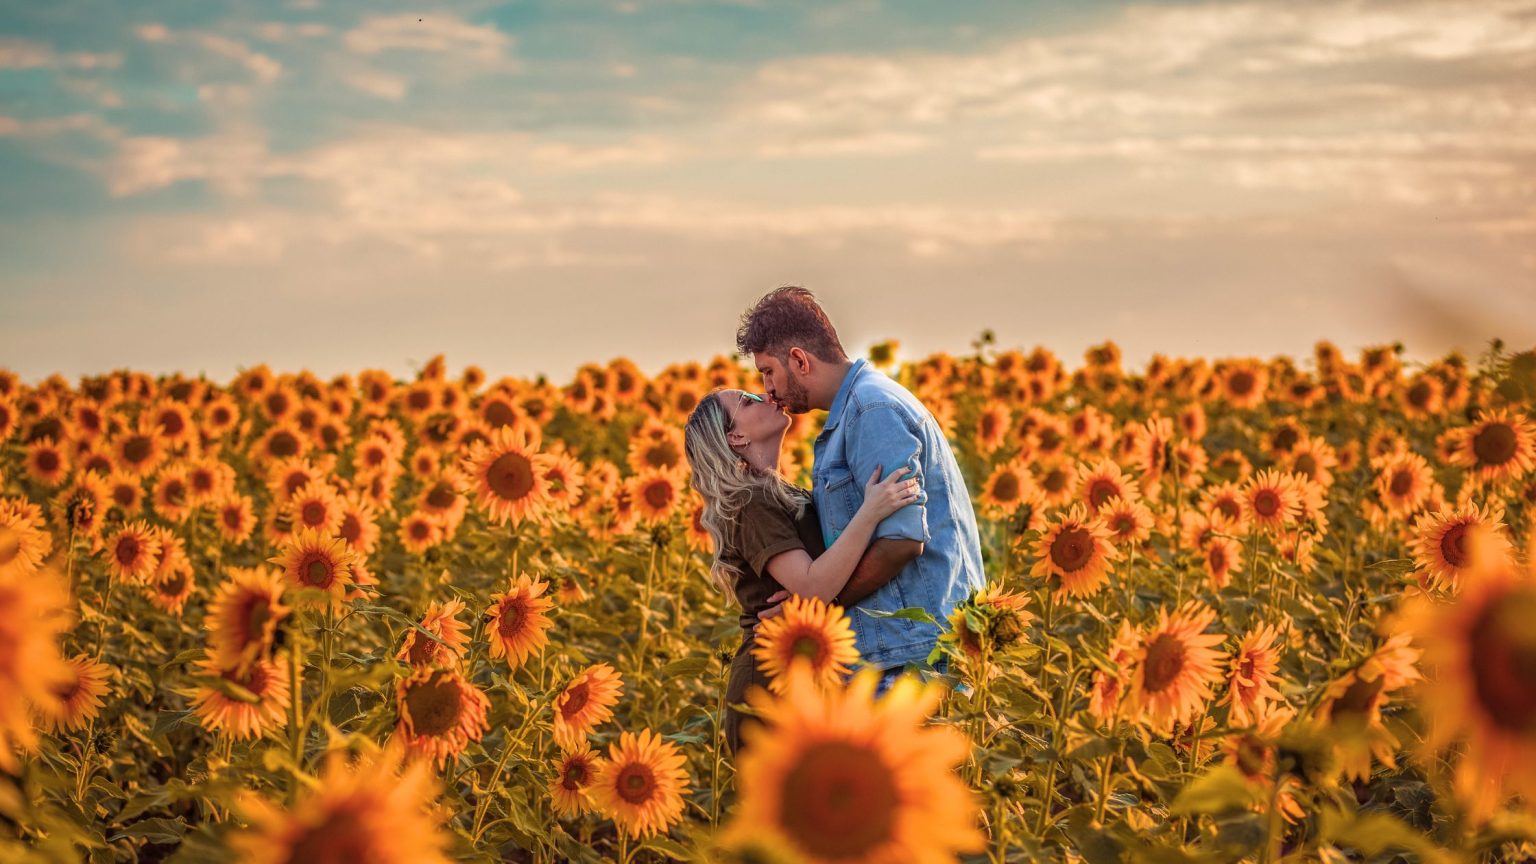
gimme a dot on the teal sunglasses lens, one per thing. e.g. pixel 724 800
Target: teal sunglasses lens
pixel 753 396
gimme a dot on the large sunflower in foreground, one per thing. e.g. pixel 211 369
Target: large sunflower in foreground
pixel 838 776
pixel 1076 551
pixel 440 713
pixel 371 811
pixel 586 702
pixel 517 620
pixel 811 629
pixel 641 785
pixel 1174 668
pixel 507 476
pixel 33 615
pixel 1480 655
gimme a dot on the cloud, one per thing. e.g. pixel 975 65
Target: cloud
pixel 49 127
pixel 378 84
pixel 262 67
pixel 430 32
pixel 18 53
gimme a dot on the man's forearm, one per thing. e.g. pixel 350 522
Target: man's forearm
pixel 881 562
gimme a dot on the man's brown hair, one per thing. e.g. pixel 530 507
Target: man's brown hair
pixel 786 318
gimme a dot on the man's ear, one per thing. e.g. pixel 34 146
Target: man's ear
pixel 800 361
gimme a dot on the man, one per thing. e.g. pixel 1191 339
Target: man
pixel 926 555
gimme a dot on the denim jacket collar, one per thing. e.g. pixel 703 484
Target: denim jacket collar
pixel 835 412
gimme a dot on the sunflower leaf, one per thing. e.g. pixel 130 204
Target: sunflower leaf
pixel 911 613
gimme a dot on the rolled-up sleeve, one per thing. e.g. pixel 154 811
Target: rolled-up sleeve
pixel 885 436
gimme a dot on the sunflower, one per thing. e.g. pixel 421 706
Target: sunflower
pixel 82 505
pixel 642 784
pixel 243 616
pixel 1222 556
pixel 34 615
pixel 569 790
pixel 440 498
pixel 171 495
pixel 1174 668
pixel 1403 482
pixel 992 427
pixel 441 620
pixel 78 697
pixel 656 447
pixel 811 629
pixel 245 703
pixel 1480 656
pixel 174 423
pixel 585 703
pixel 564 476
pixel 837 775
pixel 656 494
pixel 172 583
pixel 369 811
pixel 280 442
pixel 133 552
pixel 992 619
pixel 1314 459
pixel 1501 446
pixel 1128 521
pixel 1103 480
pixel 1054 479
pixel 518 621
pixel 376 453
pixel 1250 681
pixel 236 519
pixel 419 532
pixel 1449 545
pixel 1351 706
pixel 440 713
pixel 508 476
pixel 46 462
pixel 310 560
pixel 1076 552
pixel 220 415
pixel 208 481
pixel 1109 682
pixel 24 540
pixel 1271 500
pixel 359 524
pixel 314 508
pixel 1009 487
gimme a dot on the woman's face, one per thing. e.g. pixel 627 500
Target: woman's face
pixel 750 418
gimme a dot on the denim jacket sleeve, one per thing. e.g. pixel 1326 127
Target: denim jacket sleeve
pixel 884 436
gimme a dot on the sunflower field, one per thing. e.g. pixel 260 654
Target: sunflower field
pixel 1237 609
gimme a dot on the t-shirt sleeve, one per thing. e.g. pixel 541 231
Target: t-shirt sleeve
pixel 765 530
pixel 885 438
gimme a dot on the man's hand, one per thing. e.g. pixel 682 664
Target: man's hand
pixel 774 609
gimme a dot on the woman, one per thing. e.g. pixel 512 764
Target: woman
pixel 766 534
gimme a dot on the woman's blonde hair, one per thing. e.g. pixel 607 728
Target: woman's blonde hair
pixel 726 481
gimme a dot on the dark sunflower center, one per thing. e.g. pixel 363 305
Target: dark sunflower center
pixel 48 461
pixel 1229 508
pixel 1453 545
pixel 1242 383
pixel 233 518
pixel 317 572
pixel 313 513
pixel 662 454
pixel 1101 491
pixel 809 647
pixel 636 783
pixel 433 705
pixel 1218 558
pixel 576 698
pixel 511 622
pixel 1503 658
pixel 283 444
pixel 1418 395
pixel 840 801
pixel 498 413
pixel 172 423
pixel 127 551
pixel 1266 503
pixel 1402 483
pixel 441 497
pixel 1055 480
pixel 1165 660
pixel 1006 487
pixel 256 617
pixel 351 529
pixel 344 836
pixel 1494 444
pixel 1360 697
pixel 658 495
pixel 136 449
pixel 510 476
pixel 575 776
pixel 1072 549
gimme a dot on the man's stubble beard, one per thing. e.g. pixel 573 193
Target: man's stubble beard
pixel 796 399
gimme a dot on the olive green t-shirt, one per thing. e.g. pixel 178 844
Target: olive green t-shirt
pixel 761 530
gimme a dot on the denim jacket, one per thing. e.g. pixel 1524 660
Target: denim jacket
pixel 874 421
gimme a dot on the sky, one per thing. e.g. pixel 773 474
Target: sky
pixel 528 186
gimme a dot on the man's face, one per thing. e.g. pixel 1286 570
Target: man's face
pixel 781 384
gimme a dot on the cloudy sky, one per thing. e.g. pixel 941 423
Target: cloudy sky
pixel 530 185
